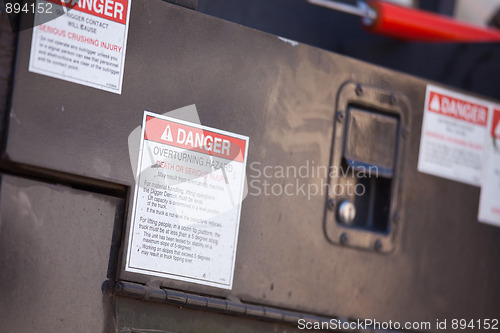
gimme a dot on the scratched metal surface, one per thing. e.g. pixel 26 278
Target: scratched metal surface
pixel 283 97
pixel 55 246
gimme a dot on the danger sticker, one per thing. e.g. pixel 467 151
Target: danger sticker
pixel 187 202
pixel 82 41
pixel 453 136
pixel 489 203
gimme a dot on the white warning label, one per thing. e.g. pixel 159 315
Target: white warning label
pixel 81 41
pixel 453 136
pixel 489 203
pixel 187 202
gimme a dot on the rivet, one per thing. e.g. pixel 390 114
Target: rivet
pixel 404 133
pixel 359 90
pixel 331 203
pixel 392 99
pixel 396 218
pixel 344 239
pixel 340 116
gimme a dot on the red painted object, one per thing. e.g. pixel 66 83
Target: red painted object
pixel 416 25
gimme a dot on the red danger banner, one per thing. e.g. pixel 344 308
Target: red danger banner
pixel 114 10
pixel 495 126
pixel 195 139
pixel 458 109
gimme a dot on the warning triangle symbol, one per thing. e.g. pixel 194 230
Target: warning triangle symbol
pixel 167 134
pixel 435 105
pixel 497 130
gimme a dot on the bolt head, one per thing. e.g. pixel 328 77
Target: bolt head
pixel 331 203
pixel 359 90
pixel 392 99
pixel 340 116
pixel 344 239
pixel 396 218
pixel 404 133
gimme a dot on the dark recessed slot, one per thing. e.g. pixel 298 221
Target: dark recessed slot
pixel 372 203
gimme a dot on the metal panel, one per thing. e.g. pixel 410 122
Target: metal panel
pixel 284 97
pixel 135 316
pixel 8 41
pixel 57 258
